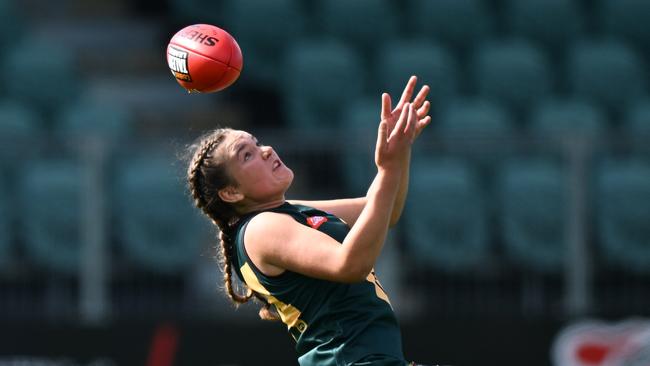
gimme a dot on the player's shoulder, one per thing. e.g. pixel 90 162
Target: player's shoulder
pixel 269 222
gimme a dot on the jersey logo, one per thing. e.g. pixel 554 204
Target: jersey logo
pixel 316 221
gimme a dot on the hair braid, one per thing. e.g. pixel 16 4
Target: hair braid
pixel 206 175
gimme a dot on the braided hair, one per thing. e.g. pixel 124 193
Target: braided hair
pixel 206 175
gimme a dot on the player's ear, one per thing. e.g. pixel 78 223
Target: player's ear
pixel 230 194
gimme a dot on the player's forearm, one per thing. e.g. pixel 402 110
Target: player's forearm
pixel 400 198
pixel 366 238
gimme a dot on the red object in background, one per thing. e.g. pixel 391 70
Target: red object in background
pixel 592 353
pixel 163 346
pixel 204 58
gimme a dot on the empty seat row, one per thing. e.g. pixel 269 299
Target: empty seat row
pixel 449 225
pixel 457 23
pixel 148 217
pixel 326 75
pixel 316 78
pixel 450 221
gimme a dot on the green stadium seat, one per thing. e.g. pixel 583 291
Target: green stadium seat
pixel 460 24
pixel 106 120
pixel 445 220
pixel 533 214
pixel 550 23
pixel 51 206
pixel 623 213
pixel 159 231
pixel 627 20
pixel 20 131
pixel 43 74
pixel 12 24
pixel 363 24
pixel 512 72
pixel 433 65
pixel 264 30
pixel 636 123
pixel 325 77
pixel 197 11
pixel 475 127
pixel 567 119
pixel 606 72
pixel 360 124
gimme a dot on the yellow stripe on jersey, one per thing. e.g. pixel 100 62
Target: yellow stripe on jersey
pixel 379 290
pixel 288 313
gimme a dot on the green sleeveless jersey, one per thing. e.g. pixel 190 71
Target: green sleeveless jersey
pixel 333 323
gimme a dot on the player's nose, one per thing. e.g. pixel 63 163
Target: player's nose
pixel 267 151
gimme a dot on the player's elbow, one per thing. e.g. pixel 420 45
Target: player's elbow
pixel 355 271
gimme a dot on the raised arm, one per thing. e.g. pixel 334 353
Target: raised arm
pixel 349 209
pixel 421 105
pixel 275 242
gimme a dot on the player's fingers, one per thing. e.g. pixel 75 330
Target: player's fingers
pixel 401 122
pixel 412 121
pixel 408 92
pixel 424 122
pixel 424 109
pixel 385 106
pixel 382 132
pixel 421 97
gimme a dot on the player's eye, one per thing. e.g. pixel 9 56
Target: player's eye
pixel 258 144
pixel 247 156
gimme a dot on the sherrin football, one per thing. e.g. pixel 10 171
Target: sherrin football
pixel 204 58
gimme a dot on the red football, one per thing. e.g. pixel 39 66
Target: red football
pixel 204 58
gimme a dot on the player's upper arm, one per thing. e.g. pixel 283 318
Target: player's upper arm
pixel 279 241
pixel 347 209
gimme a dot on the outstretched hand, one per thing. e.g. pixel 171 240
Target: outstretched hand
pixel 420 105
pixel 393 144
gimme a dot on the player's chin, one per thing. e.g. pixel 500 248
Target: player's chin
pixel 286 175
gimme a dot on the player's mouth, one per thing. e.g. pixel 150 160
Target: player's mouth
pixel 276 165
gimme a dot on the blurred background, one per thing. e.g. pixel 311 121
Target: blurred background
pixel 529 203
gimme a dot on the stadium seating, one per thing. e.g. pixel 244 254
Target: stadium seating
pixel 549 23
pixel 158 229
pixel 606 72
pixel 197 11
pixel 20 130
pixel 445 222
pixel 12 24
pixel 360 123
pixel 636 123
pixel 512 72
pixel 460 24
pixel 433 65
pixel 476 127
pixel 325 77
pixel 623 213
pixel 51 214
pixel 626 19
pixel 99 119
pixel 264 30
pixel 533 214
pixel 567 119
pixel 363 24
pixel 48 77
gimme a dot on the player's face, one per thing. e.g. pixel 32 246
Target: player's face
pixel 260 174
